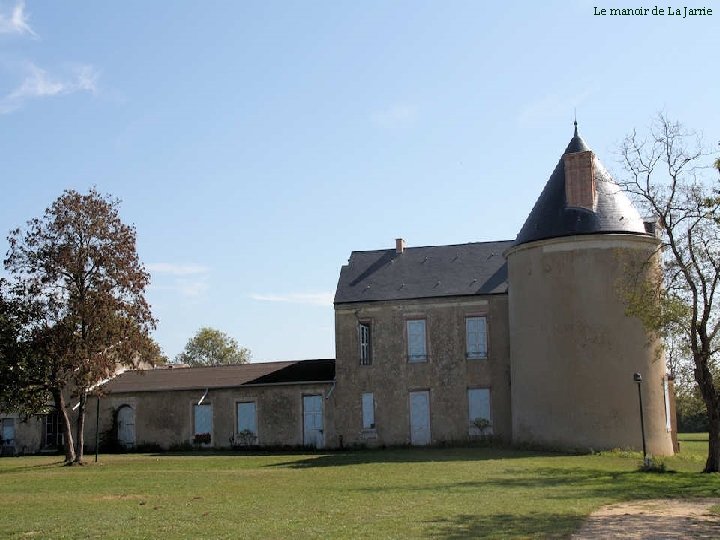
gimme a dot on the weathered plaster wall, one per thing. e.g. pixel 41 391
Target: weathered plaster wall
pixel 447 374
pixel 574 351
pixel 28 433
pixel 165 418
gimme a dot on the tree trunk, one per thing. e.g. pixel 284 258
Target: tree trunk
pixel 711 397
pixel 65 423
pixel 80 433
pixel 713 460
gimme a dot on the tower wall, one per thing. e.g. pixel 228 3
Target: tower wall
pixel 573 351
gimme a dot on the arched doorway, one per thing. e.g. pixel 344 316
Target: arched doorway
pixel 126 426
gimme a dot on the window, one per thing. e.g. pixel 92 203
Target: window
pixel 476 337
pixel 203 423
pixel 368 410
pixel 247 423
pixel 365 339
pixel 479 416
pixel 53 436
pixel 416 341
pixel 7 432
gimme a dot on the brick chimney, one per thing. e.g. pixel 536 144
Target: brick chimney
pixel 579 180
pixel 399 245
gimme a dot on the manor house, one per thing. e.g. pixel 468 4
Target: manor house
pixel 525 340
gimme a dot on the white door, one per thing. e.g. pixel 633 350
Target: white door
pixel 313 430
pixel 420 417
pixel 126 427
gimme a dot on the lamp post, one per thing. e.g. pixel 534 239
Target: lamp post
pixel 638 379
pixel 97 426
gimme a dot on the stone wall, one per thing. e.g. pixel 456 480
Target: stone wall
pixel 28 433
pixel 447 373
pixel 165 418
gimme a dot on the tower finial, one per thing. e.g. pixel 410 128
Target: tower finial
pixel 575 122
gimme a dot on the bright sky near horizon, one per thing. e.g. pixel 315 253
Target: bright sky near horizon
pixel 255 144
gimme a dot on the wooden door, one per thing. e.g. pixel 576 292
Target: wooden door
pixel 126 427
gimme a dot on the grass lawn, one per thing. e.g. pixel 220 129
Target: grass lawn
pixel 442 493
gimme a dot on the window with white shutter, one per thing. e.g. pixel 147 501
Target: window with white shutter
pixel 368 410
pixel 476 337
pixel 479 414
pixel 416 340
pixel 203 423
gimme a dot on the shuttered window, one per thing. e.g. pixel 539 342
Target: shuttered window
pixel 476 337
pixel 368 410
pixel 416 340
pixel 479 414
pixel 203 419
pixel 247 417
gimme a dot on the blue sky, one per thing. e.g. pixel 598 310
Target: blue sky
pixel 256 144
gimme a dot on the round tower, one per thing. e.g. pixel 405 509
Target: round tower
pixel 573 349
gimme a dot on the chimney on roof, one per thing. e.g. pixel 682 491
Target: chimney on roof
pixel 579 180
pixel 399 245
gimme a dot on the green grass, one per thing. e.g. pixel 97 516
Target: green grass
pixel 441 493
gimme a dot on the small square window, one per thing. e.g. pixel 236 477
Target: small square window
pixel 416 340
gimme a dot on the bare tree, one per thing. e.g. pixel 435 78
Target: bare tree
pixel 77 270
pixel 668 174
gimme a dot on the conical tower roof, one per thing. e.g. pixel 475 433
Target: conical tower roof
pixel 552 217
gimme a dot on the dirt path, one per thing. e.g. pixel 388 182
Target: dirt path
pixel 654 519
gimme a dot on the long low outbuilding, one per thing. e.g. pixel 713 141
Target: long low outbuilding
pixel 270 404
pixel 261 404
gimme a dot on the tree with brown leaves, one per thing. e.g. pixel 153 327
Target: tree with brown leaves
pixel 77 272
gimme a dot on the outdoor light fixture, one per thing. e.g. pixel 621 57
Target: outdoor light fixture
pixel 638 379
pixel 97 426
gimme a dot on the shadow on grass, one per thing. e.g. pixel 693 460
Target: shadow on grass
pixel 573 484
pixel 617 485
pixel 538 525
pixel 411 455
pixel 38 467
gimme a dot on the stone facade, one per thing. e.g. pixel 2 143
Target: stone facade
pixel 524 340
pixel 166 418
pixel 21 435
pixel 447 373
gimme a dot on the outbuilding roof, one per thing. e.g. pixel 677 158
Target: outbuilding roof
pixel 189 378
pixel 424 272
pixel 552 218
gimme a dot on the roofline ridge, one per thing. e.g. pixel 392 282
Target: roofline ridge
pixel 431 246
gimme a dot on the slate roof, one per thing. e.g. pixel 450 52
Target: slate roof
pixel 550 218
pixel 190 378
pixel 424 272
